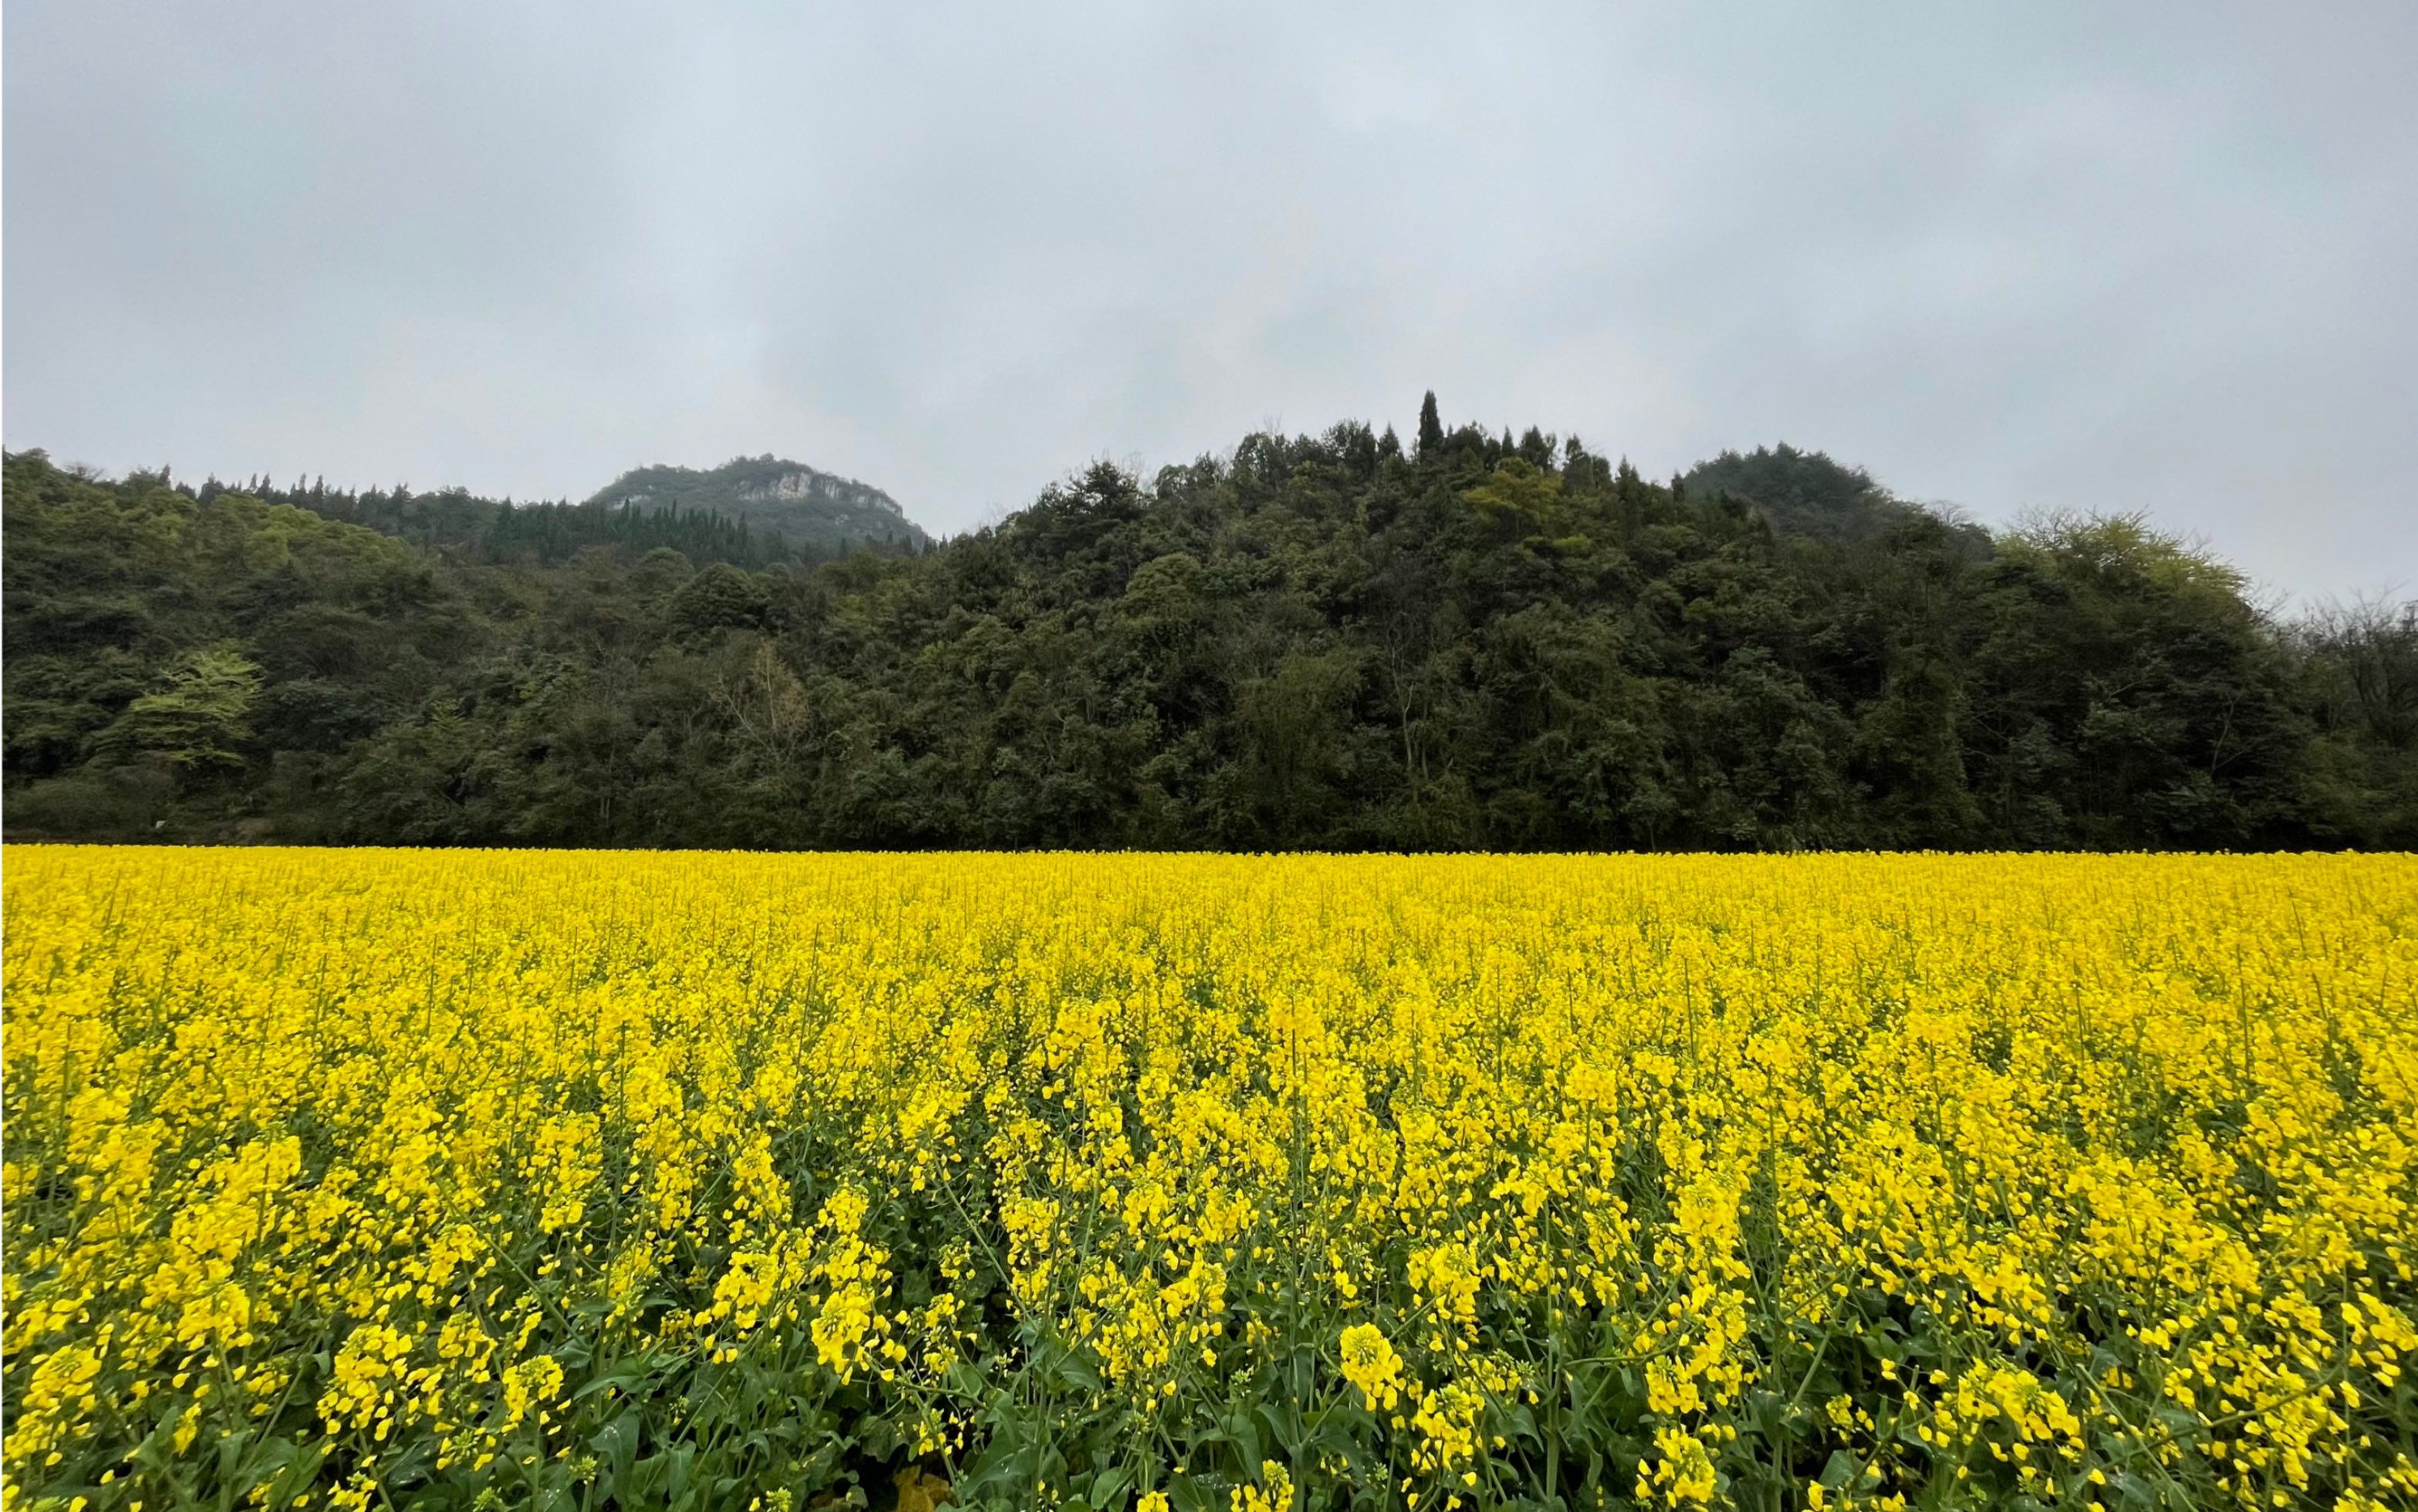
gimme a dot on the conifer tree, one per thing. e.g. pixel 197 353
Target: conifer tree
pixel 1430 428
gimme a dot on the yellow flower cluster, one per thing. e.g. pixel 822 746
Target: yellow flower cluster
pixel 388 1178
pixel 1371 1363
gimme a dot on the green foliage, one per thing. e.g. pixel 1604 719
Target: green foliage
pixel 1316 641
pixel 1520 493
pixel 199 723
pixel 2360 662
pixel 787 501
pixel 720 598
pixel 464 528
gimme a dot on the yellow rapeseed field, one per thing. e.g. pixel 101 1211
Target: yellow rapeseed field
pixel 395 1179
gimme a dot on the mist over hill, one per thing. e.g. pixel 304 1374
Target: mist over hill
pixel 803 505
pixel 1333 641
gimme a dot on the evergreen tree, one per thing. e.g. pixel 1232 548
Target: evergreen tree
pixel 1430 428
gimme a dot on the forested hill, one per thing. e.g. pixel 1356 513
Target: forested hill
pixel 798 530
pixel 1329 641
pixel 813 509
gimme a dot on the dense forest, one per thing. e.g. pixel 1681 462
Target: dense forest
pixel 462 525
pixel 1325 641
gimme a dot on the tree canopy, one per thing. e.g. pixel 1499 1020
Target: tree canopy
pixel 1313 642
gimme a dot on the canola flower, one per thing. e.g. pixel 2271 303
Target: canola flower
pixel 394 1179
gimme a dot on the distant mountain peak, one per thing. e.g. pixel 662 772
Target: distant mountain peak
pixel 806 505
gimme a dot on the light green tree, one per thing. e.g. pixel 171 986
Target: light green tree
pixel 196 723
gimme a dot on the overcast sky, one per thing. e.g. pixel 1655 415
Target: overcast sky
pixel 2054 256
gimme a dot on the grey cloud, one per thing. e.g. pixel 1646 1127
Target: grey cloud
pixel 2040 256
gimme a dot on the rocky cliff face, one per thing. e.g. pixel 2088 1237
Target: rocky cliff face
pixel 805 482
pixel 805 504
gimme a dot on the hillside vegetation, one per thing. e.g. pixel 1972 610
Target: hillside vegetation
pixel 759 513
pixel 802 504
pixel 1329 641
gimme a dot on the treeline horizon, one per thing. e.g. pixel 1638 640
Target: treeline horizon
pixel 1329 641
pixel 541 532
